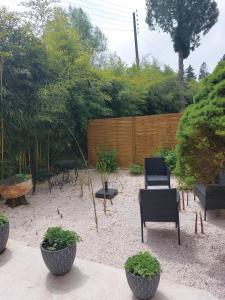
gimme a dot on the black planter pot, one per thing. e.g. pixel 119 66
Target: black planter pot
pixel 144 288
pixel 4 235
pixel 59 262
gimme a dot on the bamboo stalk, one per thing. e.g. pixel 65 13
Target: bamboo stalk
pixel 196 222
pixel 2 122
pixel 89 175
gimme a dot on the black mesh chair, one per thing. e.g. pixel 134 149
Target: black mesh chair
pixel 159 206
pixel 156 172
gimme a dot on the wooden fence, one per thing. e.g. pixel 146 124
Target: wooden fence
pixel 134 138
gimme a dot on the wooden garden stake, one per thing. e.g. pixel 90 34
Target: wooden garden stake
pixel 196 222
pixel 201 221
pixel 183 204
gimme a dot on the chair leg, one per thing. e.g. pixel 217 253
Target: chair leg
pixel 144 224
pixel 142 234
pixel 194 196
pixel 205 215
pixel 178 231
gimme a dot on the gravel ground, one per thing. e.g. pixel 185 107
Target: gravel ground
pixel 198 262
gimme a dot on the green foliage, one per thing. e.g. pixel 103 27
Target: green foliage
pixel 23 177
pixel 203 72
pixel 57 238
pixel 143 264
pixel 136 169
pixel 3 220
pixel 201 134
pixel 183 20
pixel 168 155
pixel 190 73
pixel 107 161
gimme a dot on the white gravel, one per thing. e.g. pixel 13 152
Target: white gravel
pixel 198 262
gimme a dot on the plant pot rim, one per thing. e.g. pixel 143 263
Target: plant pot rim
pixel 54 251
pixel 144 277
pixel 15 184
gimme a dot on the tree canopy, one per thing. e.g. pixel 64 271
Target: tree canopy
pixel 184 21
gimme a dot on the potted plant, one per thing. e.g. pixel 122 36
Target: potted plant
pixel 58 249
pixel 4 232
pixel 143 275
pixel 15 188
pixel 106 164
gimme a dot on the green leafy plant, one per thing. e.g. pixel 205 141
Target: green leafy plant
pixel 3 220
pixel 136 169
pixel 143 264
pixel 57 238
pixel 169 156
pixel 107 162
pixel 23 177
pixel 201 133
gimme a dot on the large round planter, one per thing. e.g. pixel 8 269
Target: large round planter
pixel 16 190
pixel 144 288
pixel 61 261
pixel 4 235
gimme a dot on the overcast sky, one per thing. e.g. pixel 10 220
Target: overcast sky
pixel 114 17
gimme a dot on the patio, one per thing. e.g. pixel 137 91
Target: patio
pixel 23 266
pixel 199 262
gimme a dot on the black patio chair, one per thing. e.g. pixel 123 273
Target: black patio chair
pixel 159 206
pixel 156 172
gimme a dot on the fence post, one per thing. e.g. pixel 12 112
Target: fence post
pixel 134 138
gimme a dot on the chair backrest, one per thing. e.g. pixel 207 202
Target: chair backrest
pixel 159 205
pixel 155 166
pixel 222 179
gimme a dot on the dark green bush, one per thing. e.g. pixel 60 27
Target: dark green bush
pixel 107 161
pixel 143 264
pixel 57 238
pixel 136 169
pixel 201 133
pixel 3 220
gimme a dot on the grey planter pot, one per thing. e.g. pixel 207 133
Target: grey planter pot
pixel 4 235
pixel 59 262
pixel 144 288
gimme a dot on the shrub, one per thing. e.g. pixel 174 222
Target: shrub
pixel 143 264
pixel 57 238
pixel 107 161
pixel 3 220
pixel 201 133
pixel 136 169
pixel 168 155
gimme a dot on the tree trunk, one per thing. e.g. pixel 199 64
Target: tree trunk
pixel 181 80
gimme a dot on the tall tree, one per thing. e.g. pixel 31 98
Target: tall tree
pixel 39 12
pixel 203 71
pixel 190 73
pixel 90 36
pixel 184 21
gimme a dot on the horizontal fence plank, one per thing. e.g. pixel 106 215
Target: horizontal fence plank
pixel 134 138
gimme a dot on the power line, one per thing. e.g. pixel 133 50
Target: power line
pixel 117 29
pixel 115 8
pixel 108 4
pixel 101 16
pixel 98 10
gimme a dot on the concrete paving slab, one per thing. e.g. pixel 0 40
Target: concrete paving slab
pixel 23 275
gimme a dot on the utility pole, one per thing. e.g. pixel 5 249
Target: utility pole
pixel 135 39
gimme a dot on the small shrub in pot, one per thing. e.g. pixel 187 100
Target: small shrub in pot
pixel 58 249
pixel 143 275
pixel 4 232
